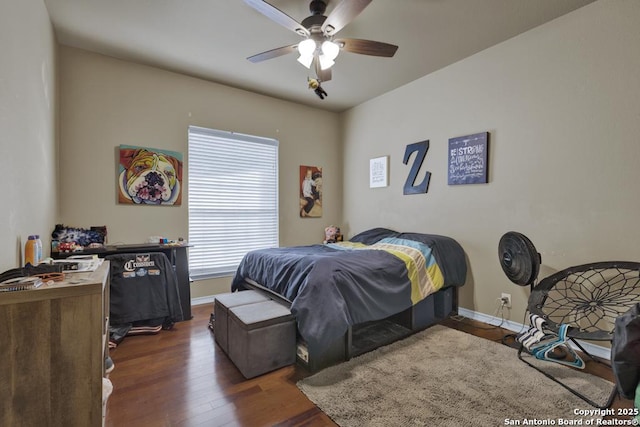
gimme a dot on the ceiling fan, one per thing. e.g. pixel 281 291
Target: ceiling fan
pixel 319 47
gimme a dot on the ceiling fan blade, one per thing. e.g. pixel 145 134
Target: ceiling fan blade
pixel 323 75
pixel 342 14
pixel 367 47
pixel 273 53
pixel 278 16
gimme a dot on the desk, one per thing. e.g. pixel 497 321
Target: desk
pixel 177 255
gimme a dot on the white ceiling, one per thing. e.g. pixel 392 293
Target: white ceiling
pixel 211 39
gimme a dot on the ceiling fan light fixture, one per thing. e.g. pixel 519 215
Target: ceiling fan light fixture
pixel 330 49
pixel 318 49
pixel 307 47
pixel 325 62
pixel 306 60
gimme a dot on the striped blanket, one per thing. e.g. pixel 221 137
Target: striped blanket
pixel 422 268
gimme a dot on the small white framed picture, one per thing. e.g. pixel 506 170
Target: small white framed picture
pixel 379 172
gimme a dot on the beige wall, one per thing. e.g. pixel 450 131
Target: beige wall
pixel 562 104
pixel 107 102
pixel 27 127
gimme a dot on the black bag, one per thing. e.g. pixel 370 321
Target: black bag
pixel 625 352
pixel 30 270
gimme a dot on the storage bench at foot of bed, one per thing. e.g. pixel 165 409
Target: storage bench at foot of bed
pixel 368 336
pixel 261 337
pixel 222 304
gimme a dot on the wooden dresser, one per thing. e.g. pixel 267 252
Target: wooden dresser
pixel 53 342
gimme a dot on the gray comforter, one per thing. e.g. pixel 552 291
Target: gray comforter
pixel 332 287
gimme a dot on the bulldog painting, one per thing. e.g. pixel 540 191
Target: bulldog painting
pixel 148 176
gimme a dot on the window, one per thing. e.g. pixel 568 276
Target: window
pixel 233 199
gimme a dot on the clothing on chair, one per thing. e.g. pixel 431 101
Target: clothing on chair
pixel 625 352
pixel 143 287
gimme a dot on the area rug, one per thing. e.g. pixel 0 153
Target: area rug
pixel 442 377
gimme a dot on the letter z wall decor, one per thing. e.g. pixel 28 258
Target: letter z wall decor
pixel 410 186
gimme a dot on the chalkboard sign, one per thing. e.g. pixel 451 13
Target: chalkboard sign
pixel 468 157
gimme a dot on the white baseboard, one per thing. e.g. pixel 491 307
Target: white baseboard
pixel 595 350
pixel 203 300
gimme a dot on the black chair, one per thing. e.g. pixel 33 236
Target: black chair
pixel 143 286
pixel 587 299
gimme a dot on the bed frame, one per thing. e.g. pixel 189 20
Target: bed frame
pixel 365 337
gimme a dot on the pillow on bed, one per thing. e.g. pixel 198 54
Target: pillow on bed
pixel 369 237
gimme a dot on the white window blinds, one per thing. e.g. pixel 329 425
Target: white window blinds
pixel 233 199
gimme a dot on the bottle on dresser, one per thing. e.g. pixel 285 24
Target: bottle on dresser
pixel 33 250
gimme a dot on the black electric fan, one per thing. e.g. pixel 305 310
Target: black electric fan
pixel 519 259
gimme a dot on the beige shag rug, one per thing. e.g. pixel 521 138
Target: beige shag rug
pixel 442 377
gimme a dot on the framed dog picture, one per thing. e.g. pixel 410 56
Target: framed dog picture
pixel 149 176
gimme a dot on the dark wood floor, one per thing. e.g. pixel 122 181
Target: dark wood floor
pixel 182 378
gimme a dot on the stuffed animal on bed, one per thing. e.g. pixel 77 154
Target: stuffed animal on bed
pixel 332 234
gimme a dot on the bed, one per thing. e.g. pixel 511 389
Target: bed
pixel 336 291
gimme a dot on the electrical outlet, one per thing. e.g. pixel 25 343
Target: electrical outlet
pixel 506 300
